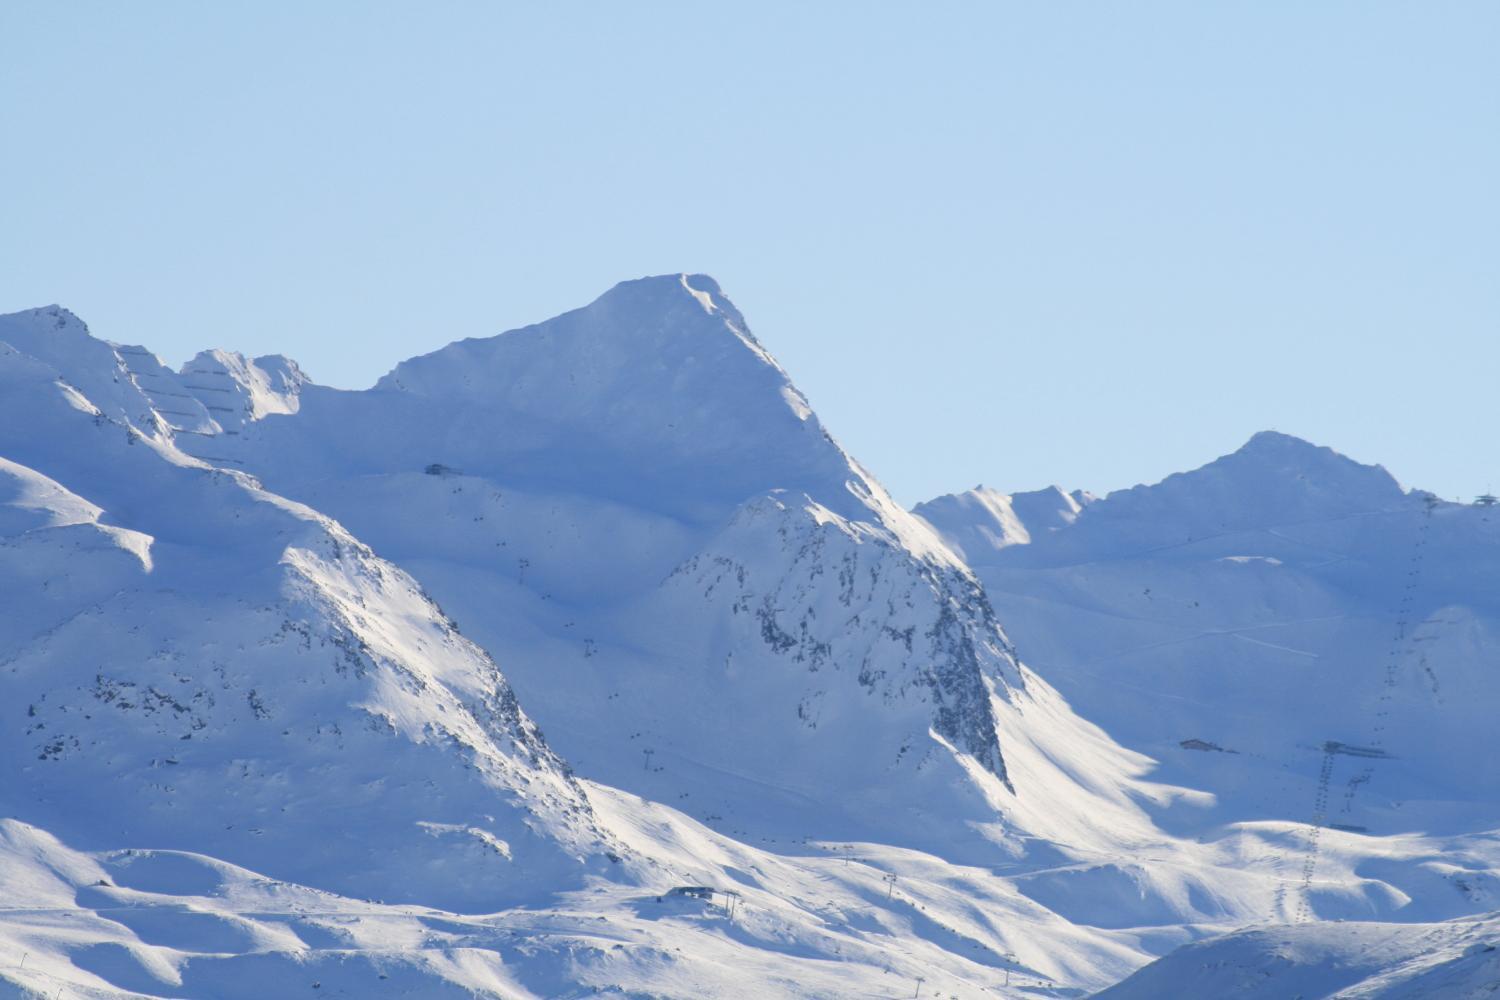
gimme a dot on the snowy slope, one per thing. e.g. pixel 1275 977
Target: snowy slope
pixel 1291 631
pixel 118 923
pixel 193 662
pixel 698 593
pixel 1367 961
pixel 236 729
pixel 253 722
pixel 704 600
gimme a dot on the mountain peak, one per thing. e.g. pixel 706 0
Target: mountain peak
pixel 1285 456
pixel 700 287
pixel 1276 443
pixel 54 317
pixel 1274 478
pixel 658 382
pixel 46 330
pixel 644 322
pixel 1274 438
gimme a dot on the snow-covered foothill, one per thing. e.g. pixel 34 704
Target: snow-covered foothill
pixel 1330 961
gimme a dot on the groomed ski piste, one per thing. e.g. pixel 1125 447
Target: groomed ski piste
pixel 583 661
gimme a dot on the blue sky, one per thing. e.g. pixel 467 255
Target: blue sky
pixel 1017 244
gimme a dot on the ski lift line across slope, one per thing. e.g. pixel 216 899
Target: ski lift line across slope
pixel 1401 647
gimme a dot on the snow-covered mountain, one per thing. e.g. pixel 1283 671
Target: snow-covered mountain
pixel 704 600
pixel 194 663
pixel 273 652
pixel 248 751
pixel 1295 633
pixel 1235 621
pixel 699 594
